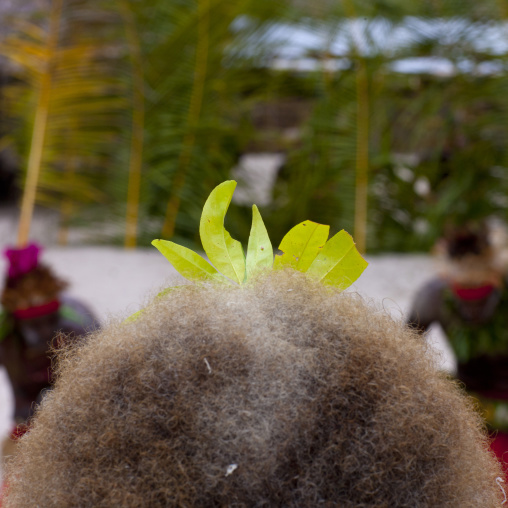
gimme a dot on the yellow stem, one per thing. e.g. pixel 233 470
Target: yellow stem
pixel 362 140
pixel 39 129
pixel 196 104
pixel 503 8
pixel 138 120
pixel 362 157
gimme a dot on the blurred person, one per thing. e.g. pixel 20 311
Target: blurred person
pixel 469 299
pixel 279 392
pixel 34 311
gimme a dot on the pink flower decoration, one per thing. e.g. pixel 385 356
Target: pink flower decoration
pixel 22 260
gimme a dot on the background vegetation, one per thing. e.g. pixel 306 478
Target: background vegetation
pixel 393 117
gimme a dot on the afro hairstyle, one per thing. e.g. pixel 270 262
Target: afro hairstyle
pixel 279 393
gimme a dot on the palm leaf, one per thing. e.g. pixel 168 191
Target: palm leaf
pixel 76 99
pixel 39 130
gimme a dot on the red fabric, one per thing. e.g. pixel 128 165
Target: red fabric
pixel 499 446
pixel 35 312
pixel 22 260
pixel 474 293
pixel 18 431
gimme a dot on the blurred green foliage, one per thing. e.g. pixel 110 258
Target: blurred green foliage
pixel 434 139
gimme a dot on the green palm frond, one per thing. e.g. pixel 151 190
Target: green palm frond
pixel 73 106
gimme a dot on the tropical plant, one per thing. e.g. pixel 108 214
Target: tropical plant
pixel 386 152
pixel 66 102
pixel 451 128
pixel 196 69
pixel 306 248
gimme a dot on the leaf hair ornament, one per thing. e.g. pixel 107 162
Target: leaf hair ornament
pixel 306 248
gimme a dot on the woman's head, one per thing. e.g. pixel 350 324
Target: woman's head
pixel 279 393
pixel 474 254
pixel 31 288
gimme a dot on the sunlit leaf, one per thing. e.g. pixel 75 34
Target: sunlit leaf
pixel 259 249
pixel 339 263
pixel 185 261
pixel 224 252
pixel 136 315
pixel 301 245
pixel 166 291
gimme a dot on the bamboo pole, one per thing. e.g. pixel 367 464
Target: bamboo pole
pixel 195 107
pixel 362 157
pixel 40 127
pixel 362 139
pixel 138 122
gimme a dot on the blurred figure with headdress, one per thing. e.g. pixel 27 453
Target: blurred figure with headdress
pixel 469 299
pixel 34 310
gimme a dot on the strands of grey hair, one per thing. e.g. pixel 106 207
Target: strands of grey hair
pixel 498 481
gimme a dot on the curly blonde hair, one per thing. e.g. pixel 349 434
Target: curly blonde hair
pixel 279 393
